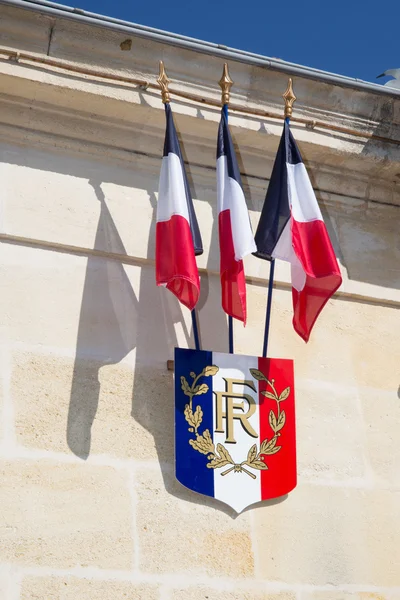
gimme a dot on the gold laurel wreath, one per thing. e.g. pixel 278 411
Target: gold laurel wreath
pixel 219 457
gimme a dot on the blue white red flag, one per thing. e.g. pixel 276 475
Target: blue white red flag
pixel 178 239
pixel 236 238
pixel 291 228
pixel 234 426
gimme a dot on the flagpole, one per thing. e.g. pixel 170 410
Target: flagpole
pixel 225 84
pixel 163 82
pixel 289 99
pixel 230 318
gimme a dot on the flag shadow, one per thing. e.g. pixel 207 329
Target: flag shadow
pixel 107 329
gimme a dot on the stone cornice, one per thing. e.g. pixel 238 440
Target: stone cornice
pixel 77 111
pixel 130 127
pixel 81 44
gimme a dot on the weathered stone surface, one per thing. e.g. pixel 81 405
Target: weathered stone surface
pixel 368 244
pixel 93 407
pixel 336 595
pixel 40 288
pixel 14 30
pixel 8 585
pixel 372 337
pixel 192 533
pixel 318 360
pixel 204 593
pixel 365 351
pixel 98 308
pixel 381 413
pixel 3 422
pixel 72 588
pixel 79 208
pixel 330 432
pixel 314 537
pixel 63 515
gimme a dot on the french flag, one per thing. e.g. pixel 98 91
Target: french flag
pixel 235 235
pixel 291 228
pixel 178 239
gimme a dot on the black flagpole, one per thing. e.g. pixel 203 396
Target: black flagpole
pixel 195 330
pixel 289 98
pixel 269 305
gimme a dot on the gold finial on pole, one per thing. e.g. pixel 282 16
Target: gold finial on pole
pixel 289 98
pixel 163 82
pixel 225 83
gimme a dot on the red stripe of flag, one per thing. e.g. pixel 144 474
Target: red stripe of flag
pixel 175 260
pixel 233 280
pixel 313 248
pixel 281 476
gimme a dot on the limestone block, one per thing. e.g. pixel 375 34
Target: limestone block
pixel 94 407
pixel 337 595
pixel 64 515
pixel 369 244
pixel 204 593
pixel 381 413
pixel 92 307
pixel 78 202
pixel 7 585
pixel 71 588
pixel 333 535
pixel 48 198
pixel 3 423
pixel 347 338
pixel 41 294
pixel 330 431
pixel 184 532
pixel 371 333
pixel 353 343
pixel 320 359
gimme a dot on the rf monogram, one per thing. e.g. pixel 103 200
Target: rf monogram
pixel 232 408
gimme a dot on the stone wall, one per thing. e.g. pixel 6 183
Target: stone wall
pixel 89 506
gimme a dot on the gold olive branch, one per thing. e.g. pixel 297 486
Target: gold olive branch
pixel 277 422
pixel 192 388
pixel 195 419
pixel 219 457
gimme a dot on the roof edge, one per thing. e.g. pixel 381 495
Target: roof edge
pixel 58 10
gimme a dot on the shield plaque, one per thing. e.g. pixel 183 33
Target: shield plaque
pixel 235 436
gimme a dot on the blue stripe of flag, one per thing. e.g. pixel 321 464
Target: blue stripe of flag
pixel 276 209
pixel 225 148
pixel 171 145
pixel 190 465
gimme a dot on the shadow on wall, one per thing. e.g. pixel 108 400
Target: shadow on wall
pixel 114 321
pixel 107 328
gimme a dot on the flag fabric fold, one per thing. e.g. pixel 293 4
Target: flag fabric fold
pixel 178 239
pixel 236 238
pixel 291 228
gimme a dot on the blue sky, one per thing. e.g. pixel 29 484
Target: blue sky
pixel 349 37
